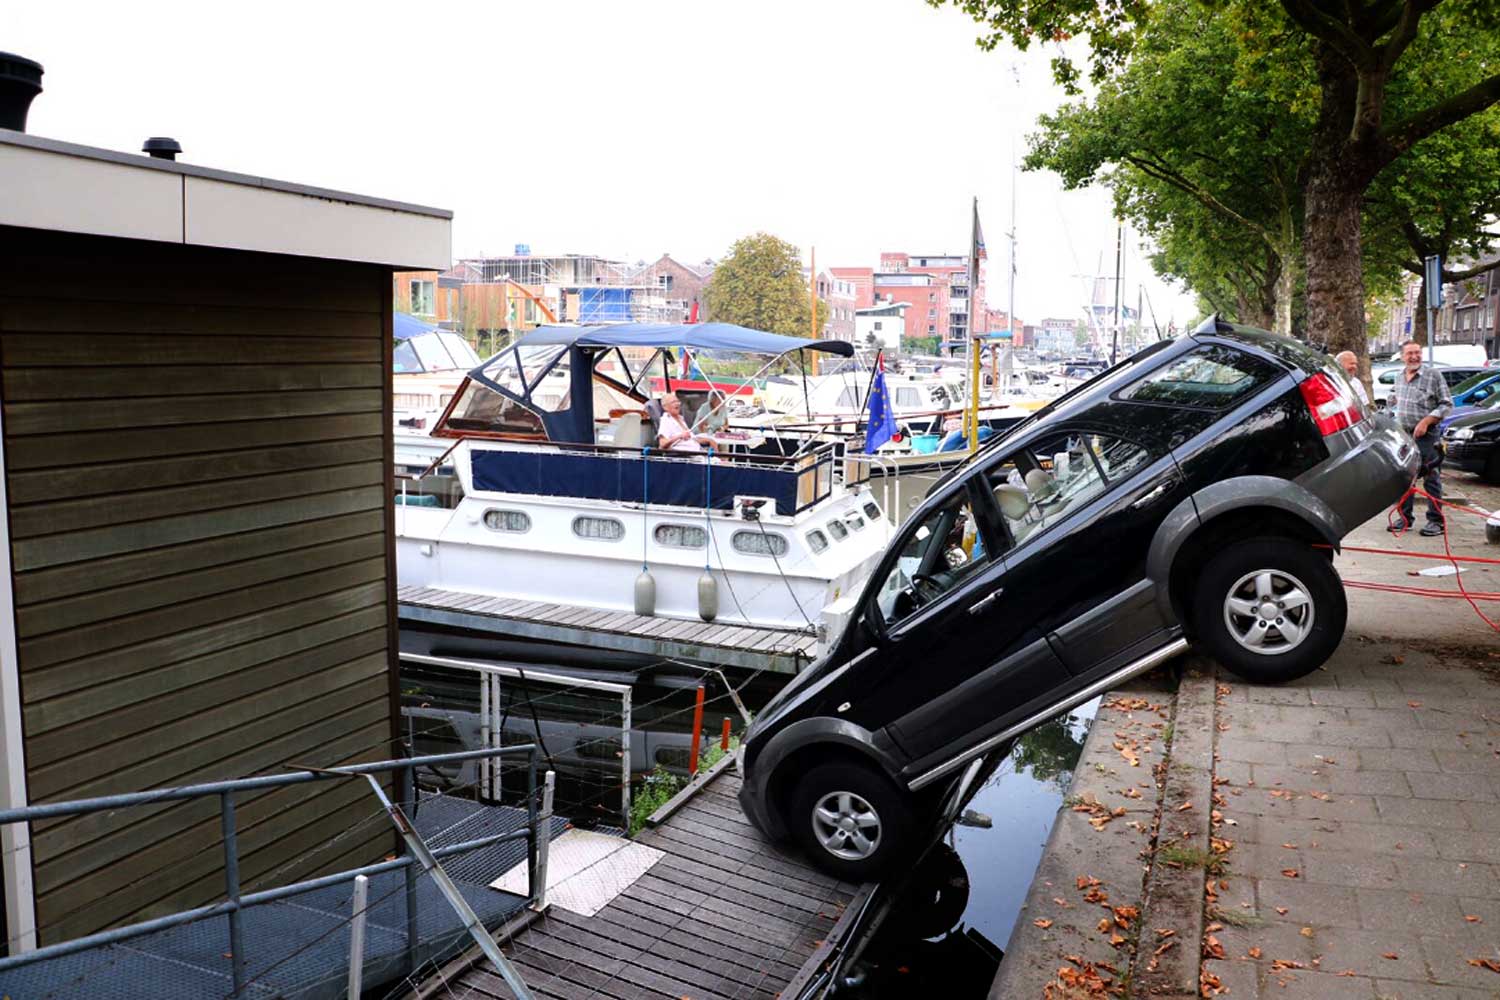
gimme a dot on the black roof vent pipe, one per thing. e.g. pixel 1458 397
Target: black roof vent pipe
pixel 20 81
pixel 161 148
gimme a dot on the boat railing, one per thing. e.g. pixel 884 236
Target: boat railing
pixel 666 478
pixel 416 859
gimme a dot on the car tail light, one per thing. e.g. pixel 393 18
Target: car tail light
pixel 1332 405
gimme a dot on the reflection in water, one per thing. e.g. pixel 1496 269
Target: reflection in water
pixel 947 932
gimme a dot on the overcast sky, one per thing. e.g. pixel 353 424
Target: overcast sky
pixel 622 129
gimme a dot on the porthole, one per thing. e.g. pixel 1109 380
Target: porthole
pixel 757 543
pixel 680 536
pixel 602 529
pixel 515 521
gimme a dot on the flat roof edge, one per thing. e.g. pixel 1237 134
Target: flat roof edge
pixel 144 162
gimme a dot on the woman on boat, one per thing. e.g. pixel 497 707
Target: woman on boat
pixel 673 434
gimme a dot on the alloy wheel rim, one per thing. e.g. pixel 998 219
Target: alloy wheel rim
pixel 846 825
pixel 1269 612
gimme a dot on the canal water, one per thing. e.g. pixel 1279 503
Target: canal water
pixel 949 926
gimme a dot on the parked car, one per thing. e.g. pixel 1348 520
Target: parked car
pixel 1472 443
pixel 1177 498
pixel 1385 382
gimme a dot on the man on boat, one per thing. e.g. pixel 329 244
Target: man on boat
pixel 673 433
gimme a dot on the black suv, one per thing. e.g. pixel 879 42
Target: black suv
pixel 1194 493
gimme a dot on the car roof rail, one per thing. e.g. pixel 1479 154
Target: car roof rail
pixel 1215 325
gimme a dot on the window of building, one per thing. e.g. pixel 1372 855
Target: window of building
pixel 515 521
pixel 664 281
pixel 759 543
pixel 603 529
pixel 422 293
pixel 877 324
pixel 681 536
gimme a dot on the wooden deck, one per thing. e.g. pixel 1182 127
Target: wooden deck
pixel 723 915
pixel 777 650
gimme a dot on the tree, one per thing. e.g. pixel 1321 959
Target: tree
pixel 1350 59
pixel 759 284
pixel 1197 161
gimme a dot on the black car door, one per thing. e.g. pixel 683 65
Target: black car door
pixel 956 664
pixel 1082 504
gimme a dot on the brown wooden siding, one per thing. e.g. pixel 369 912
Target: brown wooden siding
pixel 197 459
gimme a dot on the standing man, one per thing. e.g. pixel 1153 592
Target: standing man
pixel 1350 364
pixel 1422 400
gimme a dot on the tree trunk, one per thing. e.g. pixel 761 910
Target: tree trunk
pixel 1419 317
pixel 1286 288
pixel 1335 272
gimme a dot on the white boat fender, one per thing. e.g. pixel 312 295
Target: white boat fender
pixel 708 597
pixel 645 593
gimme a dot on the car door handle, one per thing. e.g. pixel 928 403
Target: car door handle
pixel 980 606
pixel 1154 495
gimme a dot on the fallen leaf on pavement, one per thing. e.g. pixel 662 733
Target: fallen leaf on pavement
pixel 1116 940
pixel 1185 807
pixel 1286 963
pixel 1485 963
pixel 1042 923
pixel 1390 955
pixel 1125 914
pixel 1254 953
pixel 1473 919
pixel 1290 847
pixel 1164 932
pixel 1306 932
pixel 1085 881
pixel 1212 948
pixel 1105 925
pixel 1345 972
pixel 1131 793
pixel 1281 910
pixel 1321 796
pixel 1291 873
pixel 1414 704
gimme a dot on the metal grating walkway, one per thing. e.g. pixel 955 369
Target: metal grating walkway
pixel 299 948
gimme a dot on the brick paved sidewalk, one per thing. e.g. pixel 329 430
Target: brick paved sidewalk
pixel 1363 803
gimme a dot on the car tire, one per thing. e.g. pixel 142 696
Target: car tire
pixel 1270 609
pixel 851 820
pixel 1492 468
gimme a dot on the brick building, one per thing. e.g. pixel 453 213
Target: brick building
pixel 679 286
pixel 839 295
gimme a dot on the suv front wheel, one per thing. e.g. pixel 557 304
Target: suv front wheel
pixel 1270 609
pixel 851 821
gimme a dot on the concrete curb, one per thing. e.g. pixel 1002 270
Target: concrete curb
pixel 1167 961
pixel 1085 899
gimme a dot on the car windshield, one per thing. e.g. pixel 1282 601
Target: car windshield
pixel 1472 381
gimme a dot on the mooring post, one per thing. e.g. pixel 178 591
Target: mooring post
pixel 697 731
pixel 724 739
pixel 357 937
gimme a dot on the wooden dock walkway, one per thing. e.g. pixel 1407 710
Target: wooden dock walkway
pixel 722 915
pixel 752 648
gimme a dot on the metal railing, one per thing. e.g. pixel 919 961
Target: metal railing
pixel 235 903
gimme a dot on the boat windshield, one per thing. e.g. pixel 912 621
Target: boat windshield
pixel 436 351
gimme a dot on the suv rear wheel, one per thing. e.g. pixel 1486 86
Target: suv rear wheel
pixel 851 821
pixel 1270 609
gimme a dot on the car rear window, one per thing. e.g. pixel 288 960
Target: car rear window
pixel 1212 377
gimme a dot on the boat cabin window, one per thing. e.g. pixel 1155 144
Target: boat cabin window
pixel 516 521
pixel 849 399
pixel 759 543
pixel 856 522
pixel 405 361
pixel 872 510
pixel 602 529
pixel 907 397
pixel 681 536
pixel 817 540
pixel 481 408
pixel 838 531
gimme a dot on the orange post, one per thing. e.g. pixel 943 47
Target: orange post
pixel 724 740
pixel 697 731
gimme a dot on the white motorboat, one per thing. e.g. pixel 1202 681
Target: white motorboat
pixel 556 495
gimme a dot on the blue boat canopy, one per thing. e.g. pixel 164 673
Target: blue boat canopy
pixel 694 336
pixel 407 326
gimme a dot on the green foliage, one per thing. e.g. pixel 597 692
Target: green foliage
pixel 920 345
pixel 759 284
pixel 657 788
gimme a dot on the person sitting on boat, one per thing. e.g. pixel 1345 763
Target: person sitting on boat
pixel 673 433
pixel 711 417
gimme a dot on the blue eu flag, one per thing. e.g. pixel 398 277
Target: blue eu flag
pixel 882 424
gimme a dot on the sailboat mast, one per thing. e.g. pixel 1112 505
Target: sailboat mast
pixel 1114 347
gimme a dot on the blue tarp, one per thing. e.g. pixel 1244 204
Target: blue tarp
pixel 408 326
pixel 695 336
pixel 596 477
pixel 603 305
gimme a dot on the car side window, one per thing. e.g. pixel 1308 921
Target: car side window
pixel 937 555
pixel 1043 483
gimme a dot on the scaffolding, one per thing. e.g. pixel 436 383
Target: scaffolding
pixel 587 288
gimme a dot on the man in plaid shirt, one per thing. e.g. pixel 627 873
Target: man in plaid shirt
pixel 1421 401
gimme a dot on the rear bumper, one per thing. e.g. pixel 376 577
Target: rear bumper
pixel 1368 475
